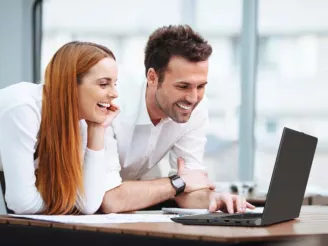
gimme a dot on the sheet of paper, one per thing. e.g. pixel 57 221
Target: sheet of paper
pixel 100 218
pixel 184 211
pixel 256 210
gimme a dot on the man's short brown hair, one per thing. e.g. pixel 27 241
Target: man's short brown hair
pixel 174 40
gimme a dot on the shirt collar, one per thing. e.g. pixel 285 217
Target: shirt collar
pixel 143 118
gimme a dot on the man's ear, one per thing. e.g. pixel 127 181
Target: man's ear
pixel 152 78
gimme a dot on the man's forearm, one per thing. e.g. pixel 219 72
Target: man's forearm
pixel 135 195
pixel 195 199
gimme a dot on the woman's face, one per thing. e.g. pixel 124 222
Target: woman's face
pixel 97 90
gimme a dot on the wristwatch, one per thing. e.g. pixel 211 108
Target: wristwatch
pixel 178 184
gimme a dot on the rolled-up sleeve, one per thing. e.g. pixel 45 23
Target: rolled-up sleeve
pixel 113 167
pixel 100 172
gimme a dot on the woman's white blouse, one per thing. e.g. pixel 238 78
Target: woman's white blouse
pixel 20 118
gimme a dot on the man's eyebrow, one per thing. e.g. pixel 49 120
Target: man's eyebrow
pixel 188 83
pixel 182 82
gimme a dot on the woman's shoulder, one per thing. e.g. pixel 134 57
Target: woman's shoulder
pixel 20 94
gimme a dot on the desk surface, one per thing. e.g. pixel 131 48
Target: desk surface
pixel 313 221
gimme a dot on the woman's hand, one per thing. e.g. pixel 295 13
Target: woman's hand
pixel 96 131
pixel 114 110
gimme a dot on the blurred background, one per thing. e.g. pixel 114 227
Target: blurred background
pixel 288 86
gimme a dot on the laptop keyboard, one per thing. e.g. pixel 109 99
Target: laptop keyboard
pixel 244 216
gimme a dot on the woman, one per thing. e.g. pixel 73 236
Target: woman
pixel 54 153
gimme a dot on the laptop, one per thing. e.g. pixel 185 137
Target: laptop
pixel 286 190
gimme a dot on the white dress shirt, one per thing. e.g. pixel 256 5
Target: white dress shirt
pixel 142 145
pixel 20 118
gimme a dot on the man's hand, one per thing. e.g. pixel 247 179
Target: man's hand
pixel 227 202
pixel 213 201
pixel 194 179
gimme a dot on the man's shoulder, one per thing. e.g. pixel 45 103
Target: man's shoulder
pixel 201 111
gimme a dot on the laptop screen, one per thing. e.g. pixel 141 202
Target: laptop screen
pixel 290 175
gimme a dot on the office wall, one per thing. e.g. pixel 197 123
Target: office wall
pixel 15 41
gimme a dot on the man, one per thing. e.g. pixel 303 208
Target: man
pixel 167 114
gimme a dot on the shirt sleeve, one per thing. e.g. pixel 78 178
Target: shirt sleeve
pixel 113 167
pixel 191 146
pixel 19 127
pixel 101 173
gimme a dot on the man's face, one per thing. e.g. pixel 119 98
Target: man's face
pixel 182 89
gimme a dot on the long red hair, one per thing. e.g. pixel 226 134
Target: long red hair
pixel 60 172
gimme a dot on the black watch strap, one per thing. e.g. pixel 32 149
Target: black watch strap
pixel 178 184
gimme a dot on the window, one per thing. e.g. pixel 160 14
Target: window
pixel 220 22
pixel 292 81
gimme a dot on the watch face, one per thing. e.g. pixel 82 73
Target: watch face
pixel 178 182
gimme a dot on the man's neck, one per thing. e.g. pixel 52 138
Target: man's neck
pixel 154 112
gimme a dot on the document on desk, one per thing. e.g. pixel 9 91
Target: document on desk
pixel 100 218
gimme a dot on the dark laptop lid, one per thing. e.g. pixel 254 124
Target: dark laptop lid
pixel 290 176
